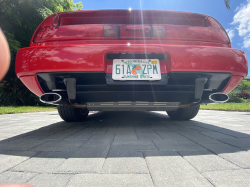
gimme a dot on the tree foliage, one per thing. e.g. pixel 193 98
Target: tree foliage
pixel 21 17
pixel 18 20
pixel 59 6
pixel 227 2
pixel 244 85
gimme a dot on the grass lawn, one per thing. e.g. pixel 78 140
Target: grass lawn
pixel 243 107
pixel 24 109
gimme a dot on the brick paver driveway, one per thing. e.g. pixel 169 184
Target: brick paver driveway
pixel 126 149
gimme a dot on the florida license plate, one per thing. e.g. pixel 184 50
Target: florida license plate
pixel 136 69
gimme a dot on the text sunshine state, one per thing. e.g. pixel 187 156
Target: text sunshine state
pixel 136 76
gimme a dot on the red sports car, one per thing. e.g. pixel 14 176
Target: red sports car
pixel 119 60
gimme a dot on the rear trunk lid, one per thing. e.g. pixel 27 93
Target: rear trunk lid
pixel 131 25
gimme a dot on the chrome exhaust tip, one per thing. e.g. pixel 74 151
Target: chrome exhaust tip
pixel 219 97
pixel 50 98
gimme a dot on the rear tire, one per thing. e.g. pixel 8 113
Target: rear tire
pixel 70 114
pixel 184 113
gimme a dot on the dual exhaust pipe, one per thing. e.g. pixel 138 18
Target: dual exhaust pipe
pixel 55 98
pixel 51 98
pixel 219 97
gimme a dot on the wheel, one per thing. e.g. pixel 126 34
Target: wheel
pixel 71 114
pixel 184 113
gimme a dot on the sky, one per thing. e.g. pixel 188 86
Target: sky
pixel 236 21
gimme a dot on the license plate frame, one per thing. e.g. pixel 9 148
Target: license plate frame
pixel 136 69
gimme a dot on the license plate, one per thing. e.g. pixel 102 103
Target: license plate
pixel 136 69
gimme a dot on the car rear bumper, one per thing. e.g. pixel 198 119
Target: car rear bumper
pixel 99 87
pixel 91 58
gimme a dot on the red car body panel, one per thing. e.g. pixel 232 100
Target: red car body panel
pixel 125 42
pixel 85 58
pixel 234 81
pixel 81 45
pixel 88 58
pixel 31 83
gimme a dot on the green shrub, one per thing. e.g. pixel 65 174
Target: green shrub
pixel 247 100
pixel 243 95
pixel 236 100
pixel 14 93
pixel 233 98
